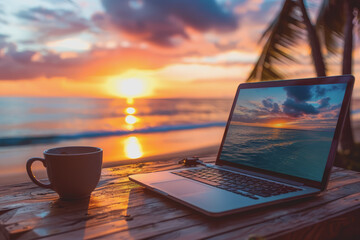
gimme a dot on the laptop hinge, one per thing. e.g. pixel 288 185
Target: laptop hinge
pixel 286 181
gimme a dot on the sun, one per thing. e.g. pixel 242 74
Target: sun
pixel 129 87
pixel 278 125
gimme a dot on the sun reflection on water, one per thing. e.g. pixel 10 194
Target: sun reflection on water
pixel 130 110
pixel 133 148
pixel 130 119
pixel 129 100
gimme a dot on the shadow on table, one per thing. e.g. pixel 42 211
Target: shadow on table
pixel 59 207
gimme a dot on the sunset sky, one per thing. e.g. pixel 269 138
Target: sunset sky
pixel 136 48
pixel 296 107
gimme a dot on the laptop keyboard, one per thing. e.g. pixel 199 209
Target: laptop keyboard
pixel 237 183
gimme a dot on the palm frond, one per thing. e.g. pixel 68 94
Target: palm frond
pixel 330 23
pixel 282 35
pixel 356 6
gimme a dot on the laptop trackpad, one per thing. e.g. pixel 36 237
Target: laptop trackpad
pixel 181 187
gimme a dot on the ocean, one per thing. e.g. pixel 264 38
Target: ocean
pixel 301 153
pixel 26 121
pixel 126 131
pixel 152 129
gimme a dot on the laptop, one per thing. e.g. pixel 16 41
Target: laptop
pixel 279 145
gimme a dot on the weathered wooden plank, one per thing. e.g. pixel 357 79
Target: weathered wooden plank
pixel 64 207
pixel 21 191
pixel 154 228
pixel 27 217
pixel 114 195
pixel 172 218
pixel 255 217
pixel 71 210
pixel 3 234
pixel 116 172
pixel 108 175
pixel 123 170
pixel 345 226
pixel 140 232
pixel 343 180
pixel 336 169
pixel 118 220
pixel 60 222
pixel 298 220
pixel 110 211
pixel 58 209
pixel 106 197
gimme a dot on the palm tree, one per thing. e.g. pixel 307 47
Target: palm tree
pixel 334 22
pixel 282 37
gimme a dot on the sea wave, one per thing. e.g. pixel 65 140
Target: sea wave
pixel 28 140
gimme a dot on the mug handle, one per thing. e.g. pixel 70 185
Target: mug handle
pixel 31 175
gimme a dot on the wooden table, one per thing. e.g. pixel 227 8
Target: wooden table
pixel 120 209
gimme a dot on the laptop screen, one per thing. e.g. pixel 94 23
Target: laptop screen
pixel 288 130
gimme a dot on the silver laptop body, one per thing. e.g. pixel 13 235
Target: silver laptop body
pixel 278 133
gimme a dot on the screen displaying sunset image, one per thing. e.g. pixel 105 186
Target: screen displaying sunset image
pixel 284 129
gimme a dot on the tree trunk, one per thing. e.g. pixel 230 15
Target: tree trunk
pixel 314 42
pixel 347 139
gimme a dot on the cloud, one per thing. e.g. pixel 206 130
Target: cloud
pixel 296 109
pixel 320 91
pixel 23 56
pixel 231 45
pixel 165 23
pixel 70 2
pixel 336 107
pixel 271 106
pixel 2 14
pixel 258 117
pixel 260 112
pixel 276 108
pixel 224 58
pixel 299 93
pixel 16 64
pixel 296 103
pixel 51 24
pixel 247 6
pixel 324 103
pixel 4 45
pixel 268 103
pixel 3 42
pixel 3 21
